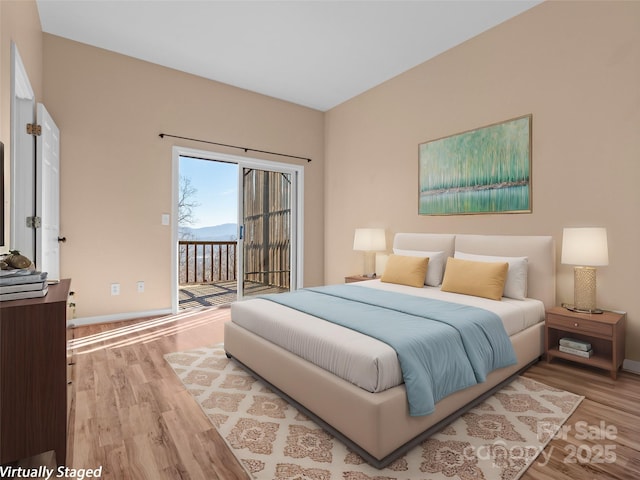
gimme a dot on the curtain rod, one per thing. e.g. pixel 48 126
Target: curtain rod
pixel 246 149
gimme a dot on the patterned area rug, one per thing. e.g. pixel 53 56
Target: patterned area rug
pixel 498 439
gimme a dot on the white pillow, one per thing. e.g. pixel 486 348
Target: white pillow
pixel 516 284
pixel 435 269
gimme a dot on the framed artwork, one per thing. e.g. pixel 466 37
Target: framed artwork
pixel 486 170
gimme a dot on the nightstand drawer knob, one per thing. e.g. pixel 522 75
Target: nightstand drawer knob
pixel 576 324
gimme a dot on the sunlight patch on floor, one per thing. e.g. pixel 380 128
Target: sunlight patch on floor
pixel 143 331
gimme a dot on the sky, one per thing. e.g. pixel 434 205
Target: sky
pixel 216 185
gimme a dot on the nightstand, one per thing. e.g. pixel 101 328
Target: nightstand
pixel 605 333
pixel 357 278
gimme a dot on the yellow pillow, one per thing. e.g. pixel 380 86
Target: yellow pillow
pixel 403 270
pixel 481 279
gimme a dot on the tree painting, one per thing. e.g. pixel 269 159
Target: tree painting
pixel 487 170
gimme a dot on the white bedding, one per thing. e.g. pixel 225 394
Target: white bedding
pixel 362 360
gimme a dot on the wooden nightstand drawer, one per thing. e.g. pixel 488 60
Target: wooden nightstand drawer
pixel 580 325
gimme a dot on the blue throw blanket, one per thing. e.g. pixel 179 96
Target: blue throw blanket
pixel 442 347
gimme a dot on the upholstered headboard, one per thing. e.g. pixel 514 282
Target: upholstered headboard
pixel 539 250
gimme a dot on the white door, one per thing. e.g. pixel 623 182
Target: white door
pixel 23 176
pixel 48 195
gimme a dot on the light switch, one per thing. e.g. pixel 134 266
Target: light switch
pixel 166 218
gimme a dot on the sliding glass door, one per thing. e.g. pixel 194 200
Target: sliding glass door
pixel 267 257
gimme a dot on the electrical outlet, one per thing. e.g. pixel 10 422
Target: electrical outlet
pixel 115 289
pixel 140 287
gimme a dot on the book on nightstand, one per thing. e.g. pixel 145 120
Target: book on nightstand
pixel 575 344
pixel 576 351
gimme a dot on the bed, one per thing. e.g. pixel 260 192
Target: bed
pixel 371 414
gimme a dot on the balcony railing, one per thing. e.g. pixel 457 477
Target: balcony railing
pixel 206 261
pixel 202 262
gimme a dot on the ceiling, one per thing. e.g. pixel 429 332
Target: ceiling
pixel 312 53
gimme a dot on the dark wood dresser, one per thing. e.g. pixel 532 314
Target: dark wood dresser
pixel 33 376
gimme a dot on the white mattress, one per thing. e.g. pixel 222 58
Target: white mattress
pixel 360 359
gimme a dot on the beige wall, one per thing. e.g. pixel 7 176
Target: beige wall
pixel 116 172
pixel 20 23
pixel 575 67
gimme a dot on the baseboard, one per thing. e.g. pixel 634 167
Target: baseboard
pixel 632 366
pixel 78 322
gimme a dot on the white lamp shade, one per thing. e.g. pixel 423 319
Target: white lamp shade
pixel 585 246
pixel 369 240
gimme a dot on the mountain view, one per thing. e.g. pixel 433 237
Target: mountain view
pixel 217 233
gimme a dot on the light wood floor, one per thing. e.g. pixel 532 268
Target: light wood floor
pixel 131 415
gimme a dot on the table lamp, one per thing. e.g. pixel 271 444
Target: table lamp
pixel 369 240
pixel 586 248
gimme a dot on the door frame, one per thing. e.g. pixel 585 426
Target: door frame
pixel 297 172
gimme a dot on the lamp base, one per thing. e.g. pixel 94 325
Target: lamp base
pixel 369 264
pixel 584 288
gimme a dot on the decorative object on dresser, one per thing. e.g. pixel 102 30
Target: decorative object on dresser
pixel 33 376
pixel 585 248
pixel 602 335
pixel 369 241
